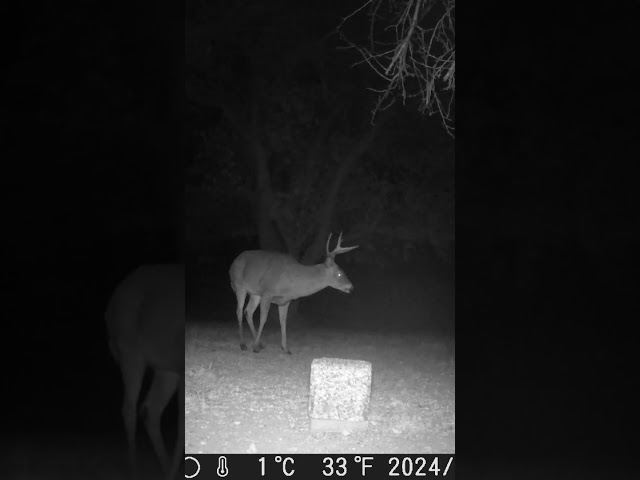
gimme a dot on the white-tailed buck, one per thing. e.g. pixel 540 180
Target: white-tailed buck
pixel 145 323
pixel 271 277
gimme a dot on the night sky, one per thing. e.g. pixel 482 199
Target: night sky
pixel 150 133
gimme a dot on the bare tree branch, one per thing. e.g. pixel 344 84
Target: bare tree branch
pixel 417 61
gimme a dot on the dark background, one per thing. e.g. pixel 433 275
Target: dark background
pixel 102 142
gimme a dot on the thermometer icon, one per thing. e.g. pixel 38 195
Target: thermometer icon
pixel 222 470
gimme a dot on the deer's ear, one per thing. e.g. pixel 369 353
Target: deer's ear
pixel 328 262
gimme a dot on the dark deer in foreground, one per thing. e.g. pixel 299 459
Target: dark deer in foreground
pixel 271 277
pixel 145 324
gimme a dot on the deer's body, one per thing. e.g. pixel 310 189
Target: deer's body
pixel 277 276
pixel 145 324
pixel 272 277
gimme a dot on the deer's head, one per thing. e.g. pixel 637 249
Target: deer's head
pixel 338 279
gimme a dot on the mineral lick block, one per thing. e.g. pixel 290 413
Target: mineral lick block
pixel 340 395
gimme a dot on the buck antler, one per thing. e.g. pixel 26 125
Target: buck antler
pixel 339 249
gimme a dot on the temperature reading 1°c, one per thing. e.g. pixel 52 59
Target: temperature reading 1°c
pixel 286 468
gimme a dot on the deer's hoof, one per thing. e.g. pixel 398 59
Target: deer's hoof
pixel 243 346
pixel 256 350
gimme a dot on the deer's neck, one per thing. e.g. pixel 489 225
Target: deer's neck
pixel 310 279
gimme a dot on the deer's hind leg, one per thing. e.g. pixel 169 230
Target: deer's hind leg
pixel 265 303
pixel 252 304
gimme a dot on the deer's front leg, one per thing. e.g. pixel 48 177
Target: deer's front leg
pixel 282 310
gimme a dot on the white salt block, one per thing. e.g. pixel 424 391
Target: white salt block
pixel 339 395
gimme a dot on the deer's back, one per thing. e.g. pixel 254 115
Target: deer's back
pixel 260 271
